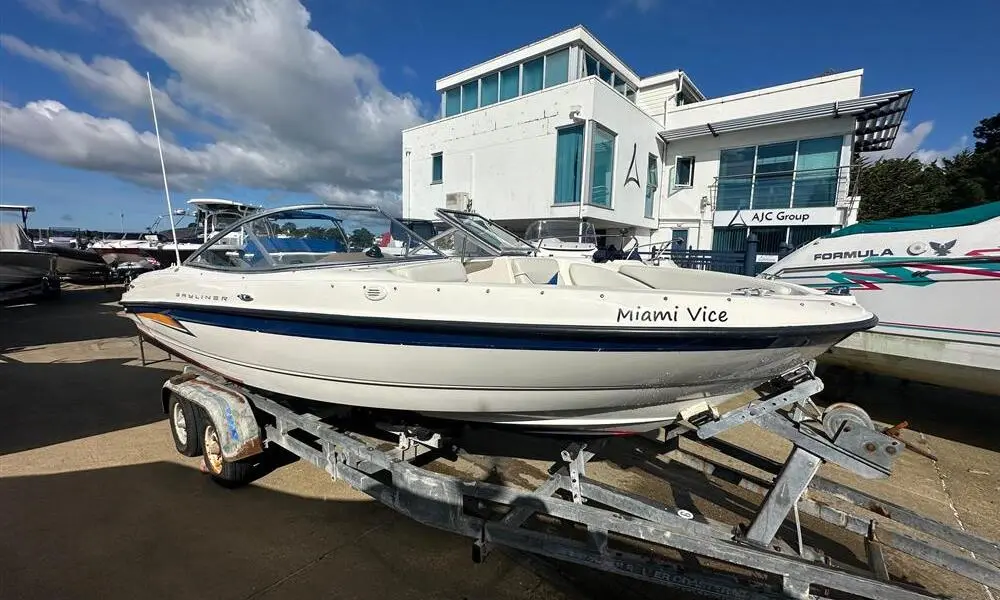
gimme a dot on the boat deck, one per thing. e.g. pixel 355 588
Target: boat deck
pixel 87 460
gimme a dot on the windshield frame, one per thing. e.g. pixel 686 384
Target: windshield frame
pixel 263 214
pixel 454 218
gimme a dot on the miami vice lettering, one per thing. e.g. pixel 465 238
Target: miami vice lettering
pixel 701 314
pixel 852 254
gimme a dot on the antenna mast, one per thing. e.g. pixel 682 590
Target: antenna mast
pixel 163 169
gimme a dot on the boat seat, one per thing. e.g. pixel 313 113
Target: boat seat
pixel 537 271
pixel 434 271
pixel 582 274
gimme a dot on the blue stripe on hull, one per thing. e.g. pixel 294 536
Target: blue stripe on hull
pixel 386 331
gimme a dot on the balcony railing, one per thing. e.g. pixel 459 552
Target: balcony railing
pixel 802 188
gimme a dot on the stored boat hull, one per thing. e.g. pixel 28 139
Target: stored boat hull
pixel 580 389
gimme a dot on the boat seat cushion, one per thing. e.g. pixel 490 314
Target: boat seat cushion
pixel 540 271
pixel 437 270
pixel 583 274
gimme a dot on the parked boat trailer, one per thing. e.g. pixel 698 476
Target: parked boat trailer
pixel 625 533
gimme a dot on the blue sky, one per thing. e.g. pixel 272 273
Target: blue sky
pixel 283 101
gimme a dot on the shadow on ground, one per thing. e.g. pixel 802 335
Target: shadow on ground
pixel 952 414
pixel 49 403
pixel 79 314
pixel 163 530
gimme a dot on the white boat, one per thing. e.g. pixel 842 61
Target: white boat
pixel 22 268
pixel 64 242
pixel 211 215
pixel 933 281
pixel 282 303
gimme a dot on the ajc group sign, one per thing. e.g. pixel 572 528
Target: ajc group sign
pixel 825 215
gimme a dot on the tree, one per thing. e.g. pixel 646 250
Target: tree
pixel 987 134
pixel 361 238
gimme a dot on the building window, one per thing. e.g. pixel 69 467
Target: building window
pixel 797 174
pixel 630 94
pixel 797 236
pixel 531 75
pixel 569 164
pixel 602 173
pixel 816 172
pixel 606 74
pixel 775 166
pixel 470 95
pixel 589 65
pixel 684 171
pixel 488 88
pixel 437 167
pixel 509 83
pixel 557 68
pixel 452 102
pixel 652 183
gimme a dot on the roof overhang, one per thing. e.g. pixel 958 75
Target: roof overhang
pixel 877 120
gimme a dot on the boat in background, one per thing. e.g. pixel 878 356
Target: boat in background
pixel 282 302
pixel 157 248
pixel 24 270
pixel 933 281
pixel 72 260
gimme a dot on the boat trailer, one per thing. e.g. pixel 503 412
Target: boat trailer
pixel 232 427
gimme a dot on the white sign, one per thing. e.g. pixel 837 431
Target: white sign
pixel 824 215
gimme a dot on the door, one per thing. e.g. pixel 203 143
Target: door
pixel 679 240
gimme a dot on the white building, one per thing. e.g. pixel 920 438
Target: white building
pixel 563 128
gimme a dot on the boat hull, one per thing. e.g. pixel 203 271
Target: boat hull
pixel 22 268
pixel 558 385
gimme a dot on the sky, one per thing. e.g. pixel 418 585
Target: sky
pixel 280 101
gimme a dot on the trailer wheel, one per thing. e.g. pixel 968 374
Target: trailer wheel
pixel 185 425
pixel 224 472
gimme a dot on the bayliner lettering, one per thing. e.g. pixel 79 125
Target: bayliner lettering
pixel 188 296
pixel 701 314
pixel 852 254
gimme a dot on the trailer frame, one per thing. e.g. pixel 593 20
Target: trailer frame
pixel 386 462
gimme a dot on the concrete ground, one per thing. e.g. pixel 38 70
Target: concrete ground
pixel 95 501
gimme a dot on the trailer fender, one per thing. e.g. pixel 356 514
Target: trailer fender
pixel 230 411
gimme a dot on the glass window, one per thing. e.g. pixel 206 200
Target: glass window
pixel 620 85
pixel 769 239
pixel 684 171
pixel 602 173
pixel 798 236
pixel 775 164
pixel 652 184
pixel 532 75
pixel 489 88
pixel 470 95
pixel 569 164
pixel 816 175
pixel 509 83
pixel 630 94
pixel 735 178
pixel 606 73
pixel 437 168
pixel 729 239
pixel 557 68
pixel 589 65
pixel 452 102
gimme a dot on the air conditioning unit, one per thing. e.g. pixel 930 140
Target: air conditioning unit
pixel 458 201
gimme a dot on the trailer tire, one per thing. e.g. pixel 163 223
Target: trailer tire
pixel 227 473
pixel 186 425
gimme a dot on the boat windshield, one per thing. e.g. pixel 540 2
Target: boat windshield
pixel 317 235
pixel 480 231
pixel 563 230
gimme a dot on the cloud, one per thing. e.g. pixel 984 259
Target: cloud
pixel 111 79
pixel 409 71
pixel 54 11
pixel 910 142
pixel 292 112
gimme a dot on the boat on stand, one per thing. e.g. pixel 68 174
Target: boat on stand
pixel 932 280
pixel 24 270
pixel 560 344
